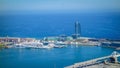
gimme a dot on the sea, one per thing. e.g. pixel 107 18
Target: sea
pixel 95 25
pixel 98 25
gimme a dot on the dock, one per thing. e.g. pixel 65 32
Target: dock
pixel 93 62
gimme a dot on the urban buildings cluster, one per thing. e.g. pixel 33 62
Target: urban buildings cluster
pixel 63 39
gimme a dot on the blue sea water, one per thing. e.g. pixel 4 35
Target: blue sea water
pixel 99 25
pixel 50 58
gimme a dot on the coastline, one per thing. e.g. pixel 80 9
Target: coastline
pixel 8 42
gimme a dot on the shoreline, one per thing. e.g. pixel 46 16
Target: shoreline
pixel 64 40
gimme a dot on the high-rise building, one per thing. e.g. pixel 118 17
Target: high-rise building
pixel 77 30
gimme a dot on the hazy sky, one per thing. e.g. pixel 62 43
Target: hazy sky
pixel 59 5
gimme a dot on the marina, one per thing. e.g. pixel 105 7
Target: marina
pixel 59 41
pixel 37 45
pixel 51 58
pixel 55 42
pixel 45 48
pixel 40 44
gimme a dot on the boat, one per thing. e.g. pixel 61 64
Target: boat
pixel 55 46
pixel 59 46
pixel 36 45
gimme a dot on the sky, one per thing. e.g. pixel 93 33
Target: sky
pixel 59 5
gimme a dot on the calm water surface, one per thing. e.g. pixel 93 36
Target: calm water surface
pixel 49 58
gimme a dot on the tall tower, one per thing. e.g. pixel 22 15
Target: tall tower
pixel 77 30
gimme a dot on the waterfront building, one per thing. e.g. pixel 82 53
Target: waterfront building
pixel 9 39
pixel 62 38
pixel 14 40
pixel 77 30
pixel 27 39
pixel 50 39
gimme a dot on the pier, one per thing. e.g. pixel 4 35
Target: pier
pixel 113 56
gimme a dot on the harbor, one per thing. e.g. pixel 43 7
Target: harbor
pixel 74 43
pixel 53 57
pixel 59 41
pixel 20 42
